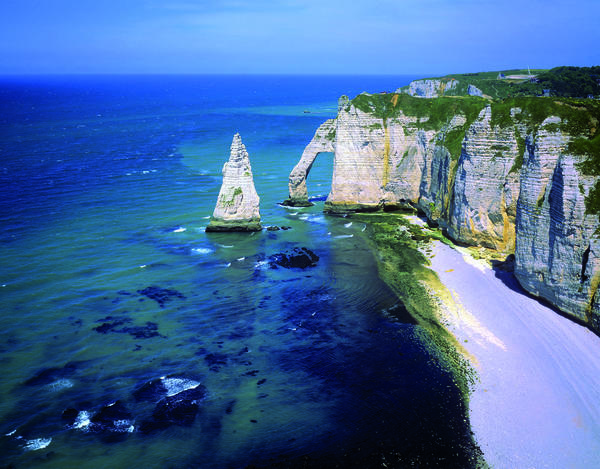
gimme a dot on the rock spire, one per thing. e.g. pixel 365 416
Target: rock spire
pixel 237 206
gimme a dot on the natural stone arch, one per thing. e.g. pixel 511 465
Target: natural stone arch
pixel 322 142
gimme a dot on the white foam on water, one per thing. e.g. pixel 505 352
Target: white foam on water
pixel 123 426
pixel 348 225
pixel 60 385
pixel 82 420
pixel 224 246
pixel 293 214
pixel 364 228
pixel 177 385
pixel 202 250
pixel 303 217
pixel 240 259
pixel 206 218
pixel 143 266
pixel 38 443
pixel 11 433
pixel 344 236
pixel 145 172
pixel 181 229
pixel 260 264
pixel 227 265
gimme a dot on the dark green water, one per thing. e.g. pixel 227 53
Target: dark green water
pixel 107 185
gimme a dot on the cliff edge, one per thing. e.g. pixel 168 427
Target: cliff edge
pixel 519 176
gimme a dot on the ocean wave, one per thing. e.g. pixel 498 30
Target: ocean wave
pixel 181 229
pixel 38 443
pixel 202 250
pixel 348 225
pixel 224 246
pixel 82 421
pixel 60 385
pixel 344 236
pixel 177 385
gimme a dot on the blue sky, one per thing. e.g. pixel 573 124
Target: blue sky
pixel 295 36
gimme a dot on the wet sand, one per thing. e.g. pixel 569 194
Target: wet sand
pixel 537 402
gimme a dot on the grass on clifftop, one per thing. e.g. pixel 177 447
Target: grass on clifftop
pixel 404 268
pixel 561 81
pixel 432 114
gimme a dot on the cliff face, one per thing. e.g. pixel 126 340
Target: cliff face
pixel 504 175
pixel 430 88
pixel 557 251
pixel 237 207
pixel 323 141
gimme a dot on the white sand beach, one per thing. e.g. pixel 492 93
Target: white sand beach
pixel 537 404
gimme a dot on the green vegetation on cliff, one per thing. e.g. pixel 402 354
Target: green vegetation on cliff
pixel 431 114
pixel 573 82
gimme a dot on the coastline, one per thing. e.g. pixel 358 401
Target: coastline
pixel 536 402
pixel 529 376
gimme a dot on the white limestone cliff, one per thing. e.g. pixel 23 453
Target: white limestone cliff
pixel 512 186
pixel 323 141
pixel 430 88
pixel 237 207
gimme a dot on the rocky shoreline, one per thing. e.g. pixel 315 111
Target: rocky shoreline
pixel 529 377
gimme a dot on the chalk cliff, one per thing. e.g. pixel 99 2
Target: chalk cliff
pixel 323 141
pixel 430 88
pixel 514 176
pixel 237 207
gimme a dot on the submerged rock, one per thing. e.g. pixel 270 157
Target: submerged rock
pixel 300 258
pixel 179 409
pixel 51 375
pixel 112 324
pixel 160 295
pixel 237 206
pixel 112 422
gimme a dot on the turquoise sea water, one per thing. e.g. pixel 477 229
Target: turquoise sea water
pixel 106 186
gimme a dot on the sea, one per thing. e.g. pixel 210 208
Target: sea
pixel 131 338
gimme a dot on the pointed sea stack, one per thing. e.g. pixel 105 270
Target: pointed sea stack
pixel 237 206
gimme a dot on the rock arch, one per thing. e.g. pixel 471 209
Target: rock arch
pixel 322 142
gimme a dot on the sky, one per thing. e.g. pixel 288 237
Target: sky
pixel 428 37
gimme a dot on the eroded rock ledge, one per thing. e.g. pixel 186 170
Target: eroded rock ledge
pixel 516 176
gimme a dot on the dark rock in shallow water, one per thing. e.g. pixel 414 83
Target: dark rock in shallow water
pixel 179 409
pixel 110 416
pixel 49 375
pixel 70 415
pixel 153 390
pixel 215 361
pixel 160 295
pixel 150 329
pixel 112 422
pixel 300 258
